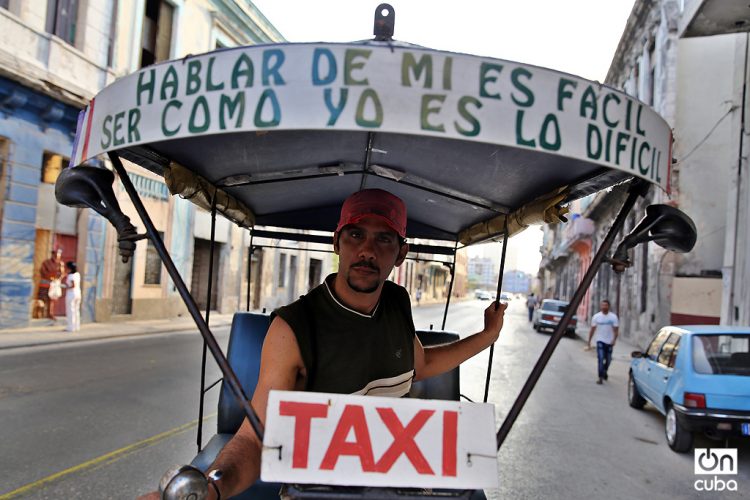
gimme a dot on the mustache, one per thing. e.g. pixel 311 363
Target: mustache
pixel 364 263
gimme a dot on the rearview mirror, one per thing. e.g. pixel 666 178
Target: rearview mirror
pixel 666 226
pixel 636 354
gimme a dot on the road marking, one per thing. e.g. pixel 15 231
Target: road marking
pixel 108 457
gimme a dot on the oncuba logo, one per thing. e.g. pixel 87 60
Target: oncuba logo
pixel 715 462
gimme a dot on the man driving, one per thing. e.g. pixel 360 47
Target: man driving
pixel 353 334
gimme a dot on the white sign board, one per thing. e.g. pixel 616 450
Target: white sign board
pixel 378 88
pixel 316 438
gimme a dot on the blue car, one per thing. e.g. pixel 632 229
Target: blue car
pixel 699 378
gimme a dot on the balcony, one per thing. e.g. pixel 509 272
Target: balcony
pixel 578 229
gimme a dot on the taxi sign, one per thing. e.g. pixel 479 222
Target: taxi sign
pixel 317 438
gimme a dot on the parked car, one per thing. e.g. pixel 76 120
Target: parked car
pixel 505 297
pixel 699 378
pixel 549 313
pixel 482 295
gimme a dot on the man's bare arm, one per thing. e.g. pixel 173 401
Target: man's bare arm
pixel 281 368
pixel 432 361
pixel 591 334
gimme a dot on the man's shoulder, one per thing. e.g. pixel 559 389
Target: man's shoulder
pixel 392 289
pixel 391 286
pixel 298 306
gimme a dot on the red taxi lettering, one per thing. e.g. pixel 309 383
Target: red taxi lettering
pixel 403 441
pixel 450 442
pixel 353 417
pixel 303 414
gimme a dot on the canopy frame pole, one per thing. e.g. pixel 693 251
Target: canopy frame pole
pixel 637 189
pixel 497 304
pixel 366 164
pixel 250 252
pixel 202 396
pixel 229 376
pixel 450 286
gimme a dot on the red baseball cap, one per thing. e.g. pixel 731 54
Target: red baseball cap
pixel 377 203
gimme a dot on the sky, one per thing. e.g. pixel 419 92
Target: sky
pixel 574 36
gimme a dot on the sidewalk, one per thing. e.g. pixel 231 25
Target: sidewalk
pixel 43 332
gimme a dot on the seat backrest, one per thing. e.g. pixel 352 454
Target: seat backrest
pixel 446 386
pixel 245 345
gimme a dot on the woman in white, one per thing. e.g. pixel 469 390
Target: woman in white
pixel 73 298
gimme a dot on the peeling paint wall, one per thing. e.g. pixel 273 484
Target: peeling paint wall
pixel 695 84
pixel 28 136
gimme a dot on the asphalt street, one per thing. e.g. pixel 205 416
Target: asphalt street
pixel 104 419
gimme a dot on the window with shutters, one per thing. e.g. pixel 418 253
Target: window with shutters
pixel 62 19
pixel 153 264
pixel 52 165
pixel 156 35
pixel 282 271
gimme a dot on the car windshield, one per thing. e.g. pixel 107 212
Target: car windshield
pixel 554 306
pixel 722 354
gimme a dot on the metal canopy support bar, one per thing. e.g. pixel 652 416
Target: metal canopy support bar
pixel 497 300
pixel 374 171
pixel 450 287
pixel 413 259
pixel 250 251
pixel 213 346
pixel 637 188
pixel 328 240
pixel 366 164
pixel 199 438
pixel 282 235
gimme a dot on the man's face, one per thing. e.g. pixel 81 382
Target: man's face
pixel 605 307
pixel 56 256
pixel 368 251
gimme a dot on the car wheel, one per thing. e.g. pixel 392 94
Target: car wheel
pixel 537 328
pixel 634 397
pixel 678 438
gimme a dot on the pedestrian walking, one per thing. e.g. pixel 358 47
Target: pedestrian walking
pixel 606 325
pixel 531 303
pixel 419 295
pixel 49 285
pixel 73 297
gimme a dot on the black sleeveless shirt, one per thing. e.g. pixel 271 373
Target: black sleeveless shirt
pixel 347 352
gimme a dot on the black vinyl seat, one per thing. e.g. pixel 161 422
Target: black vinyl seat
pixel 243 353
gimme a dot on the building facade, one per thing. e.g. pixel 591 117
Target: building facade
pixel 153 31
pixel 696 85
pixel 54 56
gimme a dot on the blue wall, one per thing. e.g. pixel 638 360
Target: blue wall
pixel 33 123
